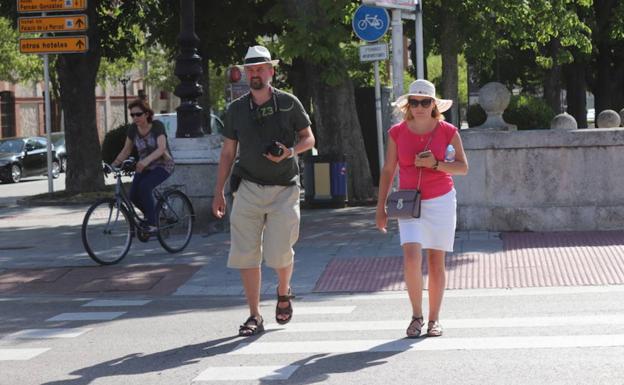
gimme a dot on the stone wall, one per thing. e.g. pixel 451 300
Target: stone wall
pixel 542 180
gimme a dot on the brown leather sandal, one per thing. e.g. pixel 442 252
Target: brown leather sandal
pixel 415 327
pixel 288 310
pixel 254 325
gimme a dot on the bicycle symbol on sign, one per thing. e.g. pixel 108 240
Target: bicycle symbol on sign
pixel 372 20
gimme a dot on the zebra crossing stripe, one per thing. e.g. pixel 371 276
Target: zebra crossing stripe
pixel 428 344
pixel 20 354
pixel 231 373
pixel 116 302
pixel 467 323
pixel 87 316
pixel 48 333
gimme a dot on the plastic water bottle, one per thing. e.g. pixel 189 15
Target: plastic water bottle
pixel 449 155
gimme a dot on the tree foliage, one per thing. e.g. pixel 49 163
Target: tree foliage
pixel 14 65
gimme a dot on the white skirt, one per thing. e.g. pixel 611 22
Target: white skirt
pixel 435 229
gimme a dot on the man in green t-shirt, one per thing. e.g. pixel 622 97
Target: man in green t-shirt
pixel 271 127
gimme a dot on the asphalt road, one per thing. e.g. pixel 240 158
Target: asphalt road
pixel 547 336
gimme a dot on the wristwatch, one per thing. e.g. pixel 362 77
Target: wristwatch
pixel 292 152
pixel 435 166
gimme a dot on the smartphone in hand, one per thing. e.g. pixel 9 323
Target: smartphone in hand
pixel 425 154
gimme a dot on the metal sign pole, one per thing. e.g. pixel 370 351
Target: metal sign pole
pixel 420 65
pixel 48 119
pixel 397 53
pixel 380 144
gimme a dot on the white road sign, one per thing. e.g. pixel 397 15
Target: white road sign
pixel 407 5
pixel 373 52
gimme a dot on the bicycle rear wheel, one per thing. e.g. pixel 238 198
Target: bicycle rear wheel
pixel 175 221
pixel 107 232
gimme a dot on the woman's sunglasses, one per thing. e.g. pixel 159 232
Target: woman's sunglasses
pixel 415 103
pixel 137 114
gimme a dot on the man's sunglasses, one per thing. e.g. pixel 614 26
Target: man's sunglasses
pixel 415 103
pixel 137 114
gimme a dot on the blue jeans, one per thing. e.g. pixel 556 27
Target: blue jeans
pixel 142 191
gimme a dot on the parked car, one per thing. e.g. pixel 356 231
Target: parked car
pixel 21 157
pixel 58 140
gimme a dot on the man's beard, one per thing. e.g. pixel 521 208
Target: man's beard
pixel 256 83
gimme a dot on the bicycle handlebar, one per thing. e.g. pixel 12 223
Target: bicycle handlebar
pixel 127 167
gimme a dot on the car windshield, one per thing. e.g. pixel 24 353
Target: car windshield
pixel 14 145
pixel 58 140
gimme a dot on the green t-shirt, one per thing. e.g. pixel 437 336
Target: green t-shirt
pixel 254 127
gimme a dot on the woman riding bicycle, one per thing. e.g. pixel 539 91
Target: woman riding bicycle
pixel 155 160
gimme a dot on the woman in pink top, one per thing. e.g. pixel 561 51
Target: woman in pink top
pixel 417 145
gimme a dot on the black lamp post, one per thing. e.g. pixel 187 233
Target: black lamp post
pixel 188 70
pixel 125 81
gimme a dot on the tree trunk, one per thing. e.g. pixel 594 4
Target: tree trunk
pixel 576 88
pixel 339 133
pixel 552 79
pixel 449 51
pixel 337 128
pixel 76 75
pixel 602 89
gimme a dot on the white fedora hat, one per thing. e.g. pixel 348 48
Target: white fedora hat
pixel 422 87
pixel 258 55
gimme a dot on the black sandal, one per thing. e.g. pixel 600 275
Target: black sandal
pixel 254 325
pixel 415 327
pixel 288 310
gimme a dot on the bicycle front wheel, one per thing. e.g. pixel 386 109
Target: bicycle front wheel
pixel 175 221
pixel 107 232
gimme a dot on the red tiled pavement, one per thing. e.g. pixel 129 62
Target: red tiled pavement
pixel 527 260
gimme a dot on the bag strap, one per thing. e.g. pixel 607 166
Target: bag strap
pixel 427 145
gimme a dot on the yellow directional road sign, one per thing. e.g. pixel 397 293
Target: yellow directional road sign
pixel 50 5
pixel 53 24
pixel 69 44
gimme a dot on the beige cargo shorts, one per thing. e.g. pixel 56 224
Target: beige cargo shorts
pixel 264 225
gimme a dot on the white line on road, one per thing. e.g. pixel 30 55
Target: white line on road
pixel 87 316
pixel 400 345
pixel 48 333
pixel 20 354
pixel 116 302
pixel 230 373
pixel 466 323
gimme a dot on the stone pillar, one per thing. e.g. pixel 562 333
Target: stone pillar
pixel 196 156
pixel 188 69
pixel 494 99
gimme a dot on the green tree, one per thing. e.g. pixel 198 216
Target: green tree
pixel 14 65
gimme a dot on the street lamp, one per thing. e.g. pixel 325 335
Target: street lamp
pixel 188 69
pixel 124 81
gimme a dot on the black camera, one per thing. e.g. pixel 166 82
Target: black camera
pixel 274 149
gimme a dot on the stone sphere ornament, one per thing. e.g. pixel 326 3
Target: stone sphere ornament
pixel 494 98
pixel 563 121
pixel 608 119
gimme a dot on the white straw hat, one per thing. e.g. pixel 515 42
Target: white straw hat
pixel 258 55
pixel 422 87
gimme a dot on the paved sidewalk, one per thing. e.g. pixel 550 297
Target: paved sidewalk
pixel 339 251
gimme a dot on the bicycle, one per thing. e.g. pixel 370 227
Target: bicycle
pixel 110 223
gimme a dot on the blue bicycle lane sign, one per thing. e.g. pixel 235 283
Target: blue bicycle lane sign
pixel 370 23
